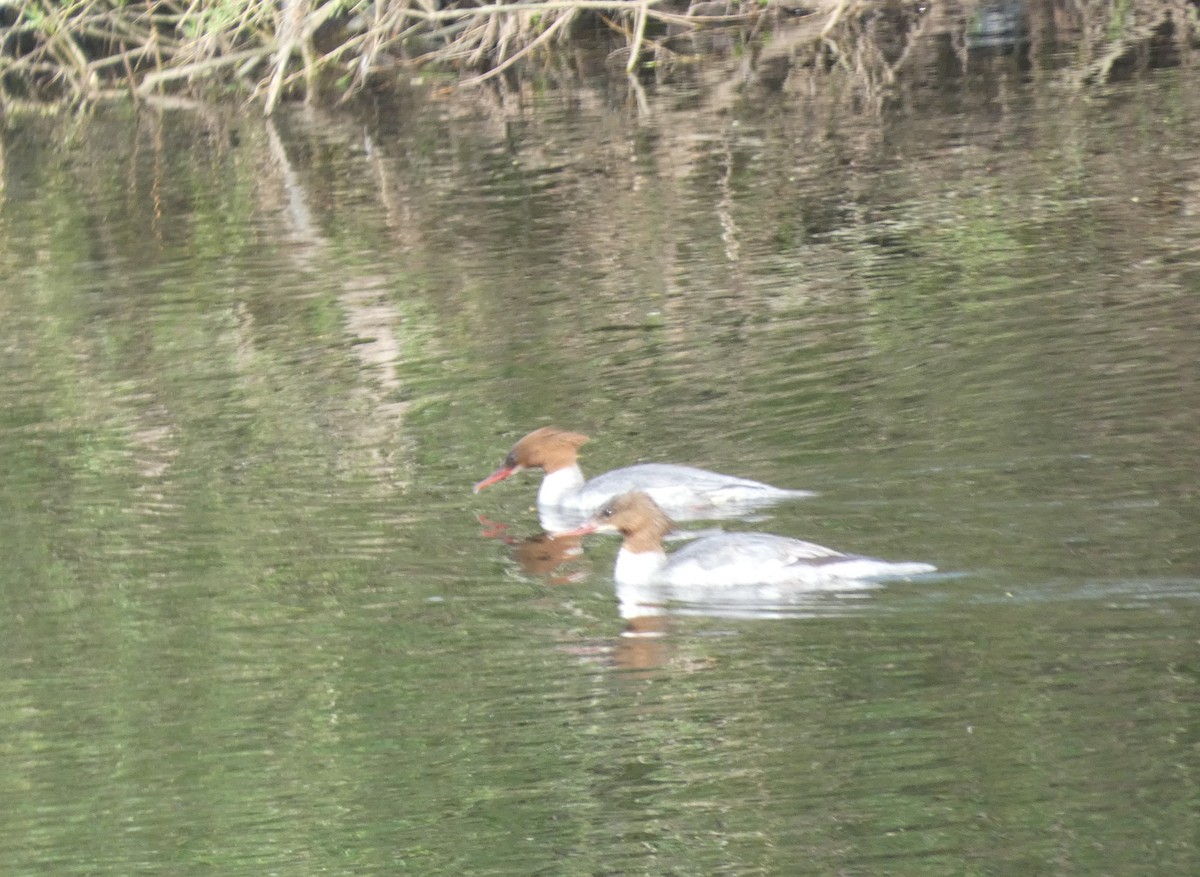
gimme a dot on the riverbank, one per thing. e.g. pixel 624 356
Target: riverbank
pixel 266 51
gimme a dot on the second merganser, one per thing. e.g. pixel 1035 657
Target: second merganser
pixel 685 492
pixel 725 559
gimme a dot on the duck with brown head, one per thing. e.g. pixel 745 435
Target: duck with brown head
pixel 685 492
pixel 555 452
pixel 726 559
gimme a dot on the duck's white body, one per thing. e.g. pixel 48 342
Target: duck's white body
pixel 686 493
pixel 737 559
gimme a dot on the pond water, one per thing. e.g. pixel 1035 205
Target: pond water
pixel 255 622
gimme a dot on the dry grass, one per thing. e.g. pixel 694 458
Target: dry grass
pixel 82 51
pixel 88 50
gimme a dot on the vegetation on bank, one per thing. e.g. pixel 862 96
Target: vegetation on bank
pixel 80 51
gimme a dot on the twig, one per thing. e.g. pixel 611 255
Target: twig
pixel 835 16
pixel 206 66
pixel 542 37
pixel 297 31
pixel 639 33
pixel 514 8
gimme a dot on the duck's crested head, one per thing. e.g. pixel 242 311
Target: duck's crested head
pixel 548 448
pixel 633 515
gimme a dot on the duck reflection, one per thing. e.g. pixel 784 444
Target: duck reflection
pixel 542 555
pixel 549 557
pixel 649 610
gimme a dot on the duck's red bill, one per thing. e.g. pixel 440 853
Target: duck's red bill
pixel 582 530
pixel 499 475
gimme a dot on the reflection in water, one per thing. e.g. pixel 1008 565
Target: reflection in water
pixel 648 609
pixel 372 318
pixel 743 601
pixel 541 556
pixel 997 24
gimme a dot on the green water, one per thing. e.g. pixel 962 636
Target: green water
pixel 253 625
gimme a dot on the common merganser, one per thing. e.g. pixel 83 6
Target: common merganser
pixel 725 559
pixel 684 492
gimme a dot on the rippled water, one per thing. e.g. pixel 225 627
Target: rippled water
pixel 256 622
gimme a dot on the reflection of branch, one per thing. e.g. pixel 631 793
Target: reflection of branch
pixel 303 227
pixel 725 207
pixel 864 56
pixel 1099 69
pixel 639 94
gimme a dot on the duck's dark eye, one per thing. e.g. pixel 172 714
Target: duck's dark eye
pixel 607 511
pixel 510 461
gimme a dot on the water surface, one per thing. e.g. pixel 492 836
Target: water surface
pixel 253 620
